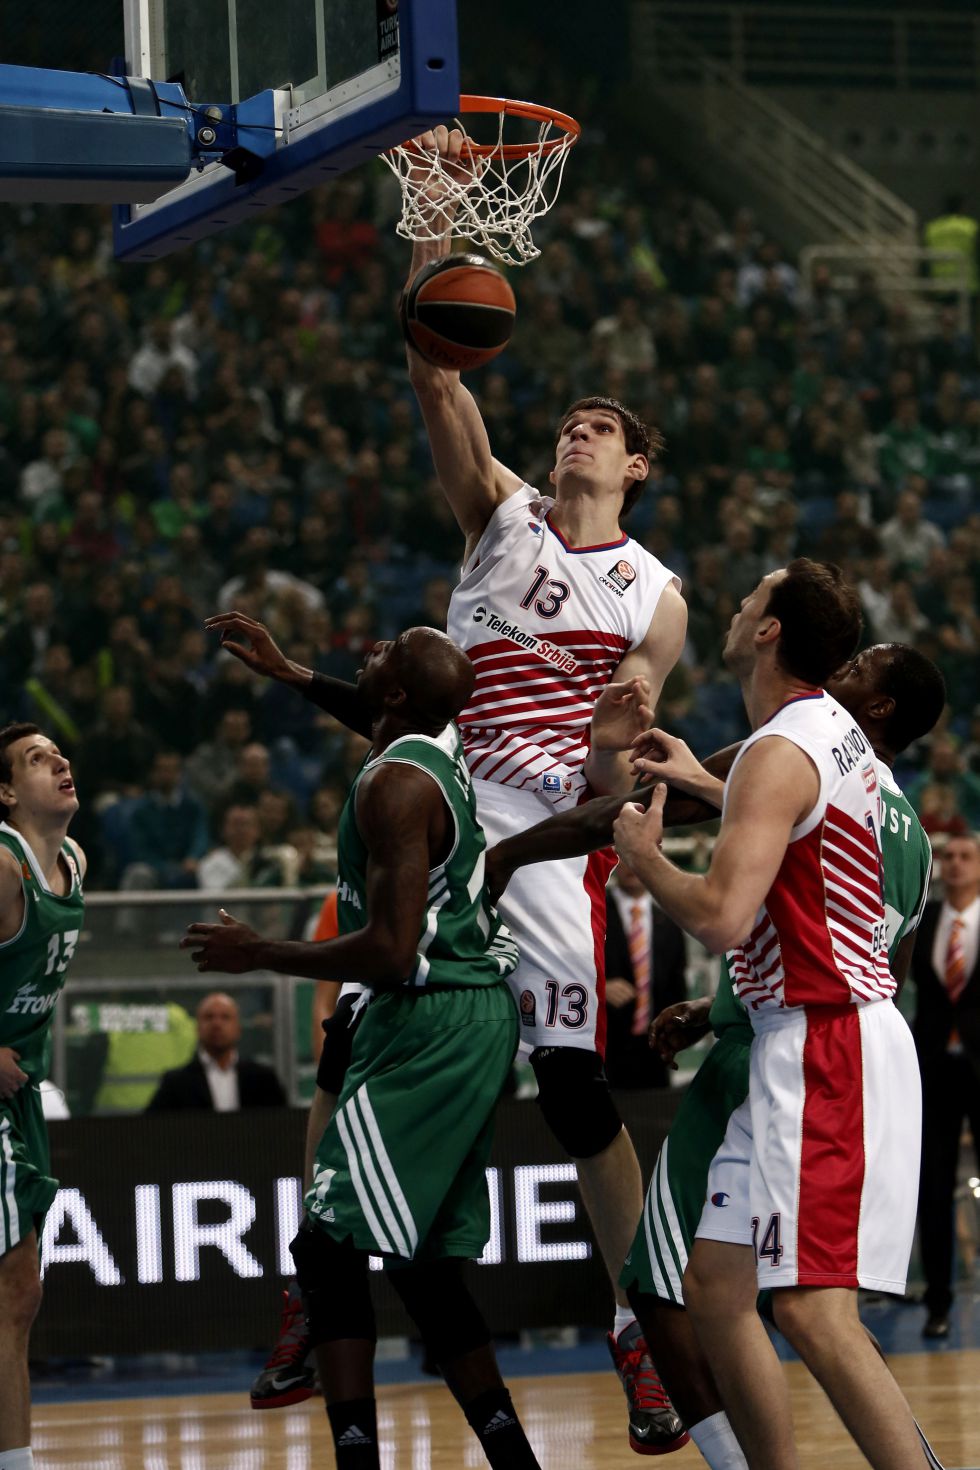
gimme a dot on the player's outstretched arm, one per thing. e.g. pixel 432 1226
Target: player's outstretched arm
pixel 474 482
pixel 251 642
pixel 584 828
pixel 615 726
pixel 402 818
pixel 774 787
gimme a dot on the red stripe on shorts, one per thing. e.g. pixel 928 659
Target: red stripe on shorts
pixel 832 1160
pixel 597 871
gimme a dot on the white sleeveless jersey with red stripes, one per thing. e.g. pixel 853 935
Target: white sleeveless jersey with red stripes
pixel 821 938
pixel 545 625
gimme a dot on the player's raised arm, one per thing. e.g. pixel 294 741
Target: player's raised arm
pixel 253 645
pixel 473 481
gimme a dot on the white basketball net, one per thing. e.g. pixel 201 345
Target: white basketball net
pixel 487 198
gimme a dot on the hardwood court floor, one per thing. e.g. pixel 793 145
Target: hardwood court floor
pixel 575 1422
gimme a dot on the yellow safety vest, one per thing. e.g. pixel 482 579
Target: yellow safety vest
pixel 957 234
pixel 140 1050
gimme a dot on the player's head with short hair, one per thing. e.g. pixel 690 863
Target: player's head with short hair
pixel 35 778
pixel 819 619
pixel 806 613
pixel 639 439
pixel 893 688
pixel 421 676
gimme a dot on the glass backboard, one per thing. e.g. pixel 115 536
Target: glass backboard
pixel 320 84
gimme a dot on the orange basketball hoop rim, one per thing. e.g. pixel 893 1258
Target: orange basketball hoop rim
pixel 506 107
pixel 530 110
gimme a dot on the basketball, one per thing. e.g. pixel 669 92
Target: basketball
pixel 458 312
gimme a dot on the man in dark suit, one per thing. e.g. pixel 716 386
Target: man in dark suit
pixel 946 971
pixel 216 1077
pixel 645 971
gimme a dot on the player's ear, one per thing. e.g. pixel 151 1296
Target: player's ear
pixel 881 707
pixel 768 630
pixel 638 468
pixel 7 796
pixel 551 477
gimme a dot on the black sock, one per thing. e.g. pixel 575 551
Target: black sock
pixel 354 1423
pixel 492 1419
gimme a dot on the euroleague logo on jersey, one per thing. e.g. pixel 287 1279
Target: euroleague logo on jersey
pixel 619 578
pixel 527 1008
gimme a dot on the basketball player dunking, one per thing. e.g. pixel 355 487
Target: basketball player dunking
pixel 572 628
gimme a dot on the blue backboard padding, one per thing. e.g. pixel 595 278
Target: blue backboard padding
pixel 49 144
pixel 426 94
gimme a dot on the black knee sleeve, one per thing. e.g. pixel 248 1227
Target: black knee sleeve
pixel 574 1097
pixel 439 1303
pixel 334 1281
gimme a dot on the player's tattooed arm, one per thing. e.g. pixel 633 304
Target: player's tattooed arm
pixel 607 766
pixel 403 820
pixel 251 642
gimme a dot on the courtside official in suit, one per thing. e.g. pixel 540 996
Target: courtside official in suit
pixel 946 970
pixel 216 1077
pixel 645 971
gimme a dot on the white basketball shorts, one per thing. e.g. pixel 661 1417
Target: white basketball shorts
pixel 819 1168
pixel 556 913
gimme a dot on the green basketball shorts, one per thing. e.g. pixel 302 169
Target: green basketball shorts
pixel 675 1197
pixel 27 1190
pixel 401 1167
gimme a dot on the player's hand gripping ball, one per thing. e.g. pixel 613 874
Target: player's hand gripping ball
pixel 458 312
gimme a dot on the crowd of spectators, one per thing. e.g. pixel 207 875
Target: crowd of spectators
pixel 233 427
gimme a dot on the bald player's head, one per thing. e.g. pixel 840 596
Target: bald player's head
pixel 421 674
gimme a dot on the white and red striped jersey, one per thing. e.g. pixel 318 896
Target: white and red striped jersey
pixel 546 625
pixel 821 936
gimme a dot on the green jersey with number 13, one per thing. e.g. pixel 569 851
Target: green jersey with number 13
pixel 33 964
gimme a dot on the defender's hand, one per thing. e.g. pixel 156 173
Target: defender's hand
pixel 678 1027
pixel 258 649
pixel 229 947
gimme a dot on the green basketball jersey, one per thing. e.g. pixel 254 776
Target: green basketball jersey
pixel 33 964
pixel 907 862
pixel 462 941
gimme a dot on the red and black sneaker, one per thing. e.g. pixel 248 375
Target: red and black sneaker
pixel 289 1376
pixel 655 1426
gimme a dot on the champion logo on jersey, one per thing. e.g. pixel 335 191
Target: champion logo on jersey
pixel 551 782
pixel 720 1200
pixel 535 527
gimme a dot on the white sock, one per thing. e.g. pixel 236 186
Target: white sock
pixel 715 1438
pixel 17 1459
pixel 625 1317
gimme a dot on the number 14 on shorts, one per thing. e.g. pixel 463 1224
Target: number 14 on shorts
pixel 771 1249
